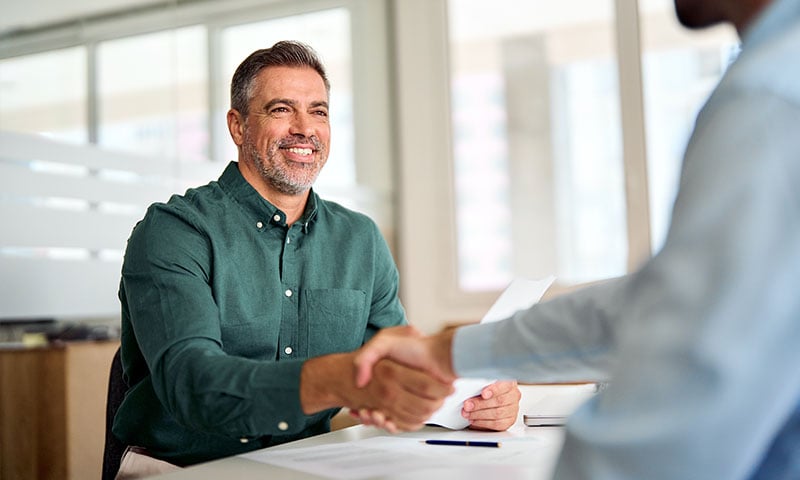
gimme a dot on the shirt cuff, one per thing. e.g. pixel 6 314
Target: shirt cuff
pixel 276 399
pixel 472 350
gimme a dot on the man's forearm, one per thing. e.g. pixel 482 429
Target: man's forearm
pixel 322 381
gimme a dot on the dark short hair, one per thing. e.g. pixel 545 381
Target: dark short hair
pixel 282 54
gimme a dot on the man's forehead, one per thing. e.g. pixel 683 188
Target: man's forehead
pixel 304 80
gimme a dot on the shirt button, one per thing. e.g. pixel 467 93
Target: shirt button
pixel 259 224
pixel 277 218
pixel 288 350
pixel 288 293
pixel 288 239
pixel 283 426
pixel 244 440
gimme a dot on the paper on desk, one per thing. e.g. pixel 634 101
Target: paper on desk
pixel 519 295
pixel 381 456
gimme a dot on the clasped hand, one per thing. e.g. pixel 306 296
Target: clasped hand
pixel 495 408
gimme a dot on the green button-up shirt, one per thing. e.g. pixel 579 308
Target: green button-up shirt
pixel 221 304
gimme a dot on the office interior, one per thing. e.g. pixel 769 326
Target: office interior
pixel 488 140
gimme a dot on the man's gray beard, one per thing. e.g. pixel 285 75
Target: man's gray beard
pixel 276 177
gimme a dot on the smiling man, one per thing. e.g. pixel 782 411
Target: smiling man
pixel 244 300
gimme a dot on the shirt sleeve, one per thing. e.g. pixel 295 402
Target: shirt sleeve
pixel 385 308
pixel 567 339
pixel 165 280
pixel 700 345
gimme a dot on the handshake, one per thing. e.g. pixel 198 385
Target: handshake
pixel 406 377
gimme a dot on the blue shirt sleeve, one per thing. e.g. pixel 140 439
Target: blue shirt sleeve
pixel 701 344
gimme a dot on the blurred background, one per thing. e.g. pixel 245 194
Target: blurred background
pixel 489 140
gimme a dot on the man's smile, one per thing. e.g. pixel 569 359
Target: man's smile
pixel 299 154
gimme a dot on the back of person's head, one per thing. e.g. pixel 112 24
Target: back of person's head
pixel 282 54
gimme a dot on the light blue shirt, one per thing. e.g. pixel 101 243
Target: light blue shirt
pixel 701 346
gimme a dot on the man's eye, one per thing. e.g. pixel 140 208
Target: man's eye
pixel 279 111
pixel 321 113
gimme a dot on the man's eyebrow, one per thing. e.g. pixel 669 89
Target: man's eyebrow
pixel 277 101
pixel 292 103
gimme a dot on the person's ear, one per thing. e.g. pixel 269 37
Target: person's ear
pixel 236 126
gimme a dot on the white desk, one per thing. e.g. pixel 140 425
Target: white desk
pixel 541 453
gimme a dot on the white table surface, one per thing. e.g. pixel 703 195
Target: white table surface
pixel 541 453
pixel 542 456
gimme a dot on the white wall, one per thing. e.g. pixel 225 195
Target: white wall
pixel 67 213
pixel 34 13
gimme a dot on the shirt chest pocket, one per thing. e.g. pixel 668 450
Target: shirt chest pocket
pixel 336 320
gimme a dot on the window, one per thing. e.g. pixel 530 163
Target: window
pixel 153 94
pixel 151 87
pixel 679 68
pixel 538 174
pixel 46 93
pixel 550 135
pixel 150 94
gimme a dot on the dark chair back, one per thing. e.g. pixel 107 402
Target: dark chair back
pixel 114 448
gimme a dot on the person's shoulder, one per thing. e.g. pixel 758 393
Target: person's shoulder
pixel 768 68
pixel 192 206
pixel 193 199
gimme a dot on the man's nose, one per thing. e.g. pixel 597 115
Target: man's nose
pixel 302 125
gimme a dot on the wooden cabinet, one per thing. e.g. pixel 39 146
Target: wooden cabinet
pixel 52 410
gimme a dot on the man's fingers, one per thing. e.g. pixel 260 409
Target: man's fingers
pixel 370 354
pixel 503 411
pixel 385 344
pixel 364 362
pixel 400 378
pixel 494 396
pixel 407 396
pixel 499 388
pixel 495 408
pixel 422 384
pixel 497 425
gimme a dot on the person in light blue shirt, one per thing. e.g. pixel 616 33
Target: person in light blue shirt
pixel 701 345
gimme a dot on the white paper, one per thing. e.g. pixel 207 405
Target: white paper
pixel 519 295
pixel 384 455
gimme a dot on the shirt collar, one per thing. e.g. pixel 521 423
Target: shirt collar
pixel 310 213
pixel 261 209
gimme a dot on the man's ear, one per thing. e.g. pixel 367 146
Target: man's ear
pixel 236 126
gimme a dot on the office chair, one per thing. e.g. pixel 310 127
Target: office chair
pixel 114 448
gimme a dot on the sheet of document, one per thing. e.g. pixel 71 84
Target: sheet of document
pixel 386 455
pixel 519 295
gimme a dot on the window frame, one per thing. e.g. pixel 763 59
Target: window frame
pixel 428 253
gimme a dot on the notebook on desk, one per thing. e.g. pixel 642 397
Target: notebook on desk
pixel 555 407
pixel 544 420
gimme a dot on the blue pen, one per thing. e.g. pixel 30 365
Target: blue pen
pixel 460 443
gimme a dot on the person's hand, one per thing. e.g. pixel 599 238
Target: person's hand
pixel 404 397
pixel 496 408
pixel 374 418
pixel 408 346
pixel 400 398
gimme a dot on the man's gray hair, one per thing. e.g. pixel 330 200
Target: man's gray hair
pixel 282 54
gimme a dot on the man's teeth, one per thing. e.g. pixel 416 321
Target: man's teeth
pixel 301 151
